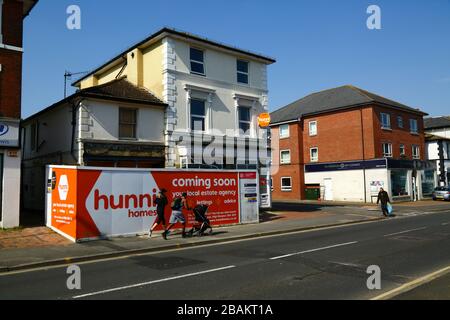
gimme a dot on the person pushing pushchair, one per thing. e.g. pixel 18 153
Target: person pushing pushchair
pixel 202 222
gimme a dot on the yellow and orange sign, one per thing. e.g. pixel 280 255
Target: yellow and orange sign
pixel 264 120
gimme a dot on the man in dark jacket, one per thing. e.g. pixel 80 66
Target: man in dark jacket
pixel 383 197
pixel 161 203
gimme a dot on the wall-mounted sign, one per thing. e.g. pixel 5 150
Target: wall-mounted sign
pixel 13 154
pixel 264 120
pixel 9 133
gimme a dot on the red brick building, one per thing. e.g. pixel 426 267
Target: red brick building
pixel 12 13
pixel 343 144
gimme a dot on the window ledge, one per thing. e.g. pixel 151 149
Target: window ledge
pixel 386 129
pixel 414 133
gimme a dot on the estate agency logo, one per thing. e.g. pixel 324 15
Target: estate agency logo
pixel 63 188
pixel 3 129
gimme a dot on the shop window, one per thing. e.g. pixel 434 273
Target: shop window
pixel 127 123
pixel 399 183
pixel 286 184
pixel 428 183
pixel 285 157
pixel 284 131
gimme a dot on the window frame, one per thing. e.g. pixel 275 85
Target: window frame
pixel 311 134
pixel 389 127
pixel 390 150
pixel 135 124
pixel 191 115
pixel 281 157
pixel 191 60
pixel 242 72
pixel 414 155
pixel 286 189
pixel 411 121
pixel 402 147
pixel 311 155
pixel 288 131
pixel 400 122
pixel 249 122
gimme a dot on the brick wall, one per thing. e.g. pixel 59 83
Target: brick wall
pixel 397 135
pixel 10 83
pixel 294 170
pixel 12 24
pixel 11 60
pixel 340 137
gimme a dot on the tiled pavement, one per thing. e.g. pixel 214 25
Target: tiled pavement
pixel 30 238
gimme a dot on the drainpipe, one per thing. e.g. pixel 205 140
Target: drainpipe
pixel 75 107
pixel 364 155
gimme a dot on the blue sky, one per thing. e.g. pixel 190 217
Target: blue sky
pixel 318 44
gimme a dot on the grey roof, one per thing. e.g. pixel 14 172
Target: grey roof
pixel 334 99
pixel 116 90
pixel 437 122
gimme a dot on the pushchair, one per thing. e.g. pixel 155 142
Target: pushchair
pixel 202 222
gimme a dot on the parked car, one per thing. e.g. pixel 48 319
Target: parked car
pixel 442 193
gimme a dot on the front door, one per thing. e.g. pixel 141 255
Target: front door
pixel 328 183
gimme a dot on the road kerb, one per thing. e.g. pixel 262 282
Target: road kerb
pixel 412 285
pixel 103 256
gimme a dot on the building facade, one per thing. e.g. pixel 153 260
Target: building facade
pixel 12 14
pixel 344 144
pixel 116 124
pixel 437 134
pixel 215 94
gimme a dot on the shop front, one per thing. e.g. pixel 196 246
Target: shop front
pixel 360 181
pixel 411 180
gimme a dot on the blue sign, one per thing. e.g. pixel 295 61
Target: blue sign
pixel 344 166
pixel 3 129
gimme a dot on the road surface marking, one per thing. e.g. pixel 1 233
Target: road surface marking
pixel 403 232
pixel 204 245
pixel 446 223
pixel 412 285
pixel 314 250
pixel 152 282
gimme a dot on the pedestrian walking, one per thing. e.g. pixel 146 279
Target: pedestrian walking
pixel 383 197
pixel 161 203
pixel 178 204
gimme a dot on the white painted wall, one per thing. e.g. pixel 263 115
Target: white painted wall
pixel 220 66
pixel 219 88
pixel 11 191
pixel 103 121
pixel 349 185
pixel 445 132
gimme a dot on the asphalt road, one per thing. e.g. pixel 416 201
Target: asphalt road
pixel 324 264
